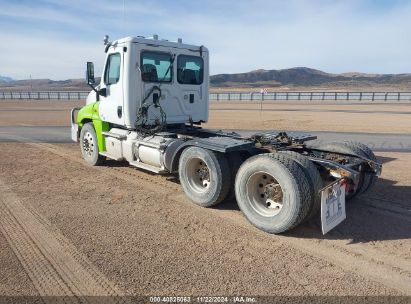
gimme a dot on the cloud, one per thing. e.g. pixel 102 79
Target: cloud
pixel 337 36
pixel 47 56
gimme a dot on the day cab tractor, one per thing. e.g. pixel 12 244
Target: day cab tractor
pixel 148 109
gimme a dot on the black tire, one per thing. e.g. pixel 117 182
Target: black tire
pixel 211 184
pixel 314 178
pixel 235 160
pixel 356 148
pixel 369 178
pixel 281 171
pixel 89 145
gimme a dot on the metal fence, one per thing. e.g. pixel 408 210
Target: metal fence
pixel 44 95
pixel 234 96
pixel 316 96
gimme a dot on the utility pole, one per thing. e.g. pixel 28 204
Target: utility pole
pixel 31 84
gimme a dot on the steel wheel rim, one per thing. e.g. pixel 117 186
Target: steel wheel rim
pixel 264 194
pixel 198 175
pixel 88 144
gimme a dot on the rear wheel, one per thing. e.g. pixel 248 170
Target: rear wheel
pixel 235 159
pixel 89 145
pixel 356 148
pixel 314 178
pixel 369 177
pixel 273 192
pixel 204 175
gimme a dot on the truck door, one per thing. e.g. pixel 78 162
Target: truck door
pixel 192 89
pixel 111 107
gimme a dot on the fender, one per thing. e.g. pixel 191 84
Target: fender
pixel 90 113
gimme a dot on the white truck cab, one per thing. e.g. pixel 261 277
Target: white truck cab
pixel 135 65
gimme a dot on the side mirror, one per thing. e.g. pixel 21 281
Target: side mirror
pixel 90 74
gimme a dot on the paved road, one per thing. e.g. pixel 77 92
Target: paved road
pixel 58 134
pixel 49 134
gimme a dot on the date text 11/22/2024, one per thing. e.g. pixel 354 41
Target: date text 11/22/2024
pixel 203 299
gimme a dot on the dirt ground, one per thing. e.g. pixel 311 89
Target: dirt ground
pixel 70 229
pixel 293 116
pixel 38 113
pixel 379 118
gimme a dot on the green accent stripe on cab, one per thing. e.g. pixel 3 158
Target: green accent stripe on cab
pixel 89 113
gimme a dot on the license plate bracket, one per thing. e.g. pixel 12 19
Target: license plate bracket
pixel 332 206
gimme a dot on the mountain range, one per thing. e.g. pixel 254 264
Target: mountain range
pixel 306 77
pixel 299 77
pixel 44 85
pixel 5 79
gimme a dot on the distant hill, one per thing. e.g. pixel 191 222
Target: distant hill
pixel 299 78
pixel 45 85
pixel 5 79
pixel 306 77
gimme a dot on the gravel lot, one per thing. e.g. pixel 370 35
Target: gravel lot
pixel 115 230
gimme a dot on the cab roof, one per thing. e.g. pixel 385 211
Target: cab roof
pixel 160 42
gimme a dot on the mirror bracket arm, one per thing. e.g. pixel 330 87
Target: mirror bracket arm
pixel 95 90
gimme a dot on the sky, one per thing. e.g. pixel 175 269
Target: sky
pixel 54 39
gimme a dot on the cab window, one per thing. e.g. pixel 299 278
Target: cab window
pixel 155 67
pixel 112 74
pixel 190 69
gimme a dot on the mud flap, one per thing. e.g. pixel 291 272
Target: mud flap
pixel 74 125
pixel 332 206
pixel 74 132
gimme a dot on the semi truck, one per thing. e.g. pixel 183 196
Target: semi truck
pixel 148 108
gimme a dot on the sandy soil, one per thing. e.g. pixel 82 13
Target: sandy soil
pixel 374 118
pixel 117 230
pixel 38 113
pixel 142 233
pixel 13 280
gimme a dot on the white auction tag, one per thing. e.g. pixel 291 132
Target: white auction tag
pixel 332 206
